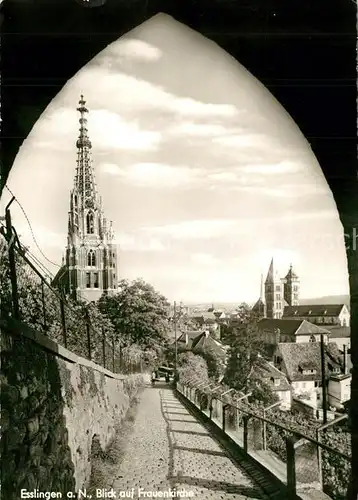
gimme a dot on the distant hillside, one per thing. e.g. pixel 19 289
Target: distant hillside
pixel 328 299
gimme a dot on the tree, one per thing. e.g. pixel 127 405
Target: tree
pixel 192 365
pixel 139 314
pixel 246 345
pixel 215 362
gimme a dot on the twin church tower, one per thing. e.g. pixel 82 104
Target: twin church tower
pixel 276 293
pixel 89 267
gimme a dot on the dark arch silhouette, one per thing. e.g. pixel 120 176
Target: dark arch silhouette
pixel 304 52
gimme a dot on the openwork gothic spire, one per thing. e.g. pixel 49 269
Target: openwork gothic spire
pixel 85 183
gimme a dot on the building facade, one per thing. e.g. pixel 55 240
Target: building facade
pixel 90 264
pixel 280 292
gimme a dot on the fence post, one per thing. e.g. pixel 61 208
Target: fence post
pixel 113 354
pixel 43 306
pixel 291 468
pixel 264 435
pixel 63 318
pixel 12 262
pixel 224 416
pixel 246 432
pixel 104 347
pixel 88 329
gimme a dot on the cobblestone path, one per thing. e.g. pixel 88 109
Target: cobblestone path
pixel 168 448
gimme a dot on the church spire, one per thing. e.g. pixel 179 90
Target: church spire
pixel 85 183
pixel 262 290
pixel 270 274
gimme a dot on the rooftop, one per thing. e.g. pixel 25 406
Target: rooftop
pixel 314 310
pixel 298 357
pixel 291 326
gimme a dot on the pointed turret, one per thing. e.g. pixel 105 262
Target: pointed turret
pixel 260 307
pixel 270 275
pixel 292 288
pixel 273 293
pixel 85 183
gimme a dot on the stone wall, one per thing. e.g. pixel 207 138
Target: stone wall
pixel 52 405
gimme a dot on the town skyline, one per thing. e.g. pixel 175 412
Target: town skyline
pixel 205 182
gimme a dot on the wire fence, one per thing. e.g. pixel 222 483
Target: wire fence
pixel 26 295
pixel 299 461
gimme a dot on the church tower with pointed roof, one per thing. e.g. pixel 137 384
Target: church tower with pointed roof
pixel 260 307
pixel 274 293
pixel 91 255
pixel 291 288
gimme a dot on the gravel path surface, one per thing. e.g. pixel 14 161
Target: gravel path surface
pixel 168 450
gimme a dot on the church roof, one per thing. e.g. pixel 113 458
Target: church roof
pixel 259 305
pixel 314 310
pixel 271 274
pixel 291 326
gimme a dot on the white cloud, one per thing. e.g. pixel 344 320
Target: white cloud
pixel 109 168
pixel 131 48
pixel 195 229
pixel 45 237
pixel 155 174
pixel 285 191
pixel 198 129
pixel 107 130
pixel 283 167
pixel 130 94
pixel 244 141
pixel 204 259
pixel 138 242
pixel 223 177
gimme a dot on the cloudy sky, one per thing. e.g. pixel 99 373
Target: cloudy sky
pixel 204 174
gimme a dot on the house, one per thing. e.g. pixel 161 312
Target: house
pixel 330 314
pixel 197 341
pixel 206 321
pixel 277 381
pixel 301 363
pixel 339 390
pixel 275 331
pixel 341 335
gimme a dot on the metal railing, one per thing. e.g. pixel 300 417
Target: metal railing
pixel 298 460
pixel 27 296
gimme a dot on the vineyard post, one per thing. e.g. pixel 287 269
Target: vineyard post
pixel 324 385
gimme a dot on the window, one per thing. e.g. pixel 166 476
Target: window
pixel 295 288
pixel 344 322
pixel 278 288
pixel 88 280
pixel 295 296
pixel 277 382
pixel 90 223
pixel 303 385
pixel 91 259
pixel 312 338
pixel 95 280
pixel 278 296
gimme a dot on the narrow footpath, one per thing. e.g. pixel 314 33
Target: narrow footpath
pixel 168 450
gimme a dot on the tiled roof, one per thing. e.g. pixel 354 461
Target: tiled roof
pixel 291 326
pixel 206 341
pixel 259 305
pixel 287 326
pixel 269 372
pixel 302 356
pixel 270 275
pixel 316 310
pixel 192 335
pixel 339 331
